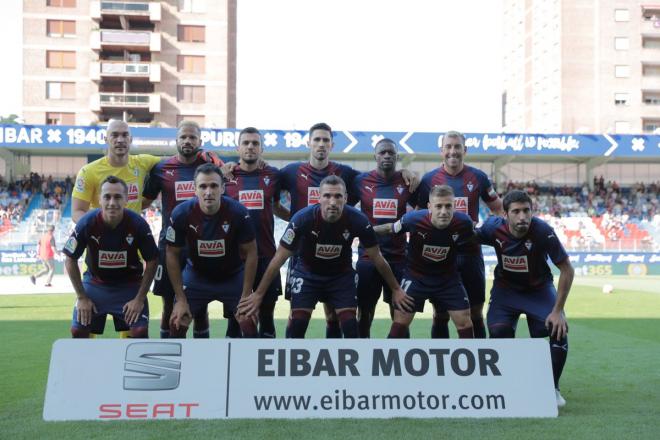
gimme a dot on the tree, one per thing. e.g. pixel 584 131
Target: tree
pixel 11 119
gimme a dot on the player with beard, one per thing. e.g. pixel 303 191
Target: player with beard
pixel 469 184
pixel 173 177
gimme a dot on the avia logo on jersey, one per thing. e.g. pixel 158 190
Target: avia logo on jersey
pixel 133 192
pixel 252 199
pixel 328 251
pixel 211 248
pixel 313 195
pixel 461 204
pixel 385 208
pixel 435 253
pixel 184 190
pixel 112 259
pixel 515 263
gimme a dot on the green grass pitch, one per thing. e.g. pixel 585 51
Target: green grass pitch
pixel 611 381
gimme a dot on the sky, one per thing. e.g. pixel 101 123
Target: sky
pixel 373 65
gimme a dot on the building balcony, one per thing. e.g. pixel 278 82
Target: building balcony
pixel 125 70
pixel 131 40
pixel 147 11
pixel 650 111
pixel 650 27
pixel 651 83
pixel 103 100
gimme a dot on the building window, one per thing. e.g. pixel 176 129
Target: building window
pixel 622 127
pixel 621 98
pixel 196 6
pixel 60 90
pixel 621 43
pixel 61 28
pixel 651 99
pixel 192 34
pixel 191 64
pixel 621 15
pixel 194 118
pixel 622 71
pixel 59 59
pixel 59 118
pixel 191 94
pixel 62 3
pixel 651 126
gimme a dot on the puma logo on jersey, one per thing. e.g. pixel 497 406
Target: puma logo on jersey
pixel 500 243
pixel 303 175
pixel 423 234
pixel 370 188
pixel 170 172
pixel 515 263
pixel 435 253
pixel 193 227
pixel 385 208
pixel 252 199
pixel 211 248
pixel 112 259
pixel 95 238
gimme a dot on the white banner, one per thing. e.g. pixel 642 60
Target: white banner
pixel 314 378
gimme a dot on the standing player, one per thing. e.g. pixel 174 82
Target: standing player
pixel 215 231
pixel 523 281
pixel 302 181
pixel 321 236
pixel 173 176
pixel 114 238
pixel 469 185
pixel 258 189
pixel 431 271
pixel 46 249
pixel 384 197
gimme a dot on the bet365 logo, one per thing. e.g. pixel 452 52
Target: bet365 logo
pixel 156 373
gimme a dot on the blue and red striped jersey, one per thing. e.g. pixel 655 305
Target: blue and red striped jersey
pixel 522 262
pixel 324 248
pixel 384 201
pixel 211 242
pixel 113 255
pixel 257 190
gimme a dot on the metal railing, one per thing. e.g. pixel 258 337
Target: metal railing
pixel 125 68
pixel 124 7
pixel 123 99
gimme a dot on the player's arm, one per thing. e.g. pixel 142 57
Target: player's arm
pixel 146 202
pixel 556 320
pixel 249 249
pixel 496 207
pixel 411 178
pixel 84 304
pixel 399 297
pixel 250 306
pixel 79 207
pixel 181 312
pixel 280 211
pixel 133 308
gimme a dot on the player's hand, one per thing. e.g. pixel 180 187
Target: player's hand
pixel 210 157
pixel 227 170
pixel 403 301
pixel 132 310
pixel 261 164
pixel 181 316
pixel 86 309
pixel 411 179
pixel 556 325
pixel 249 305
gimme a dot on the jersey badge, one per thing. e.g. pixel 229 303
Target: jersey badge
pixel 470 186
pixel 71 245
pixel 528 245
pixel 399 189
pixel 80 184
pixel 288 236
pixel 129 239
pixel 225 227
pixel 266 180
pixel 454 236
pixel 346 234
pixel 170 235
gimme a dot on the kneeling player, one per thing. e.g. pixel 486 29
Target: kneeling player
pixel 114 282
pixel 322 235
pixel 216 231
pixel 523 281
pixel 431 272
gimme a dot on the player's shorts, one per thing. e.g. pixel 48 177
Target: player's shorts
pixel 473 277
pixel 274 290
pixel 443 293
pixel 289 272
pixel 339 291
pixel 371 283
pixel 110 300
pixel 199 292
pixel 506 305
pixel 162 285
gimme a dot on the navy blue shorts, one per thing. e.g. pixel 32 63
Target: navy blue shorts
pixel 443 293
pixel 200 292
pixel 289 272
pixel 506 306
pixel 371 283
pixel 274 290
pixel 473 276
pixel 110 300
pixel 339 291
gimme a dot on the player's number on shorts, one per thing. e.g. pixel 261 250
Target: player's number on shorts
pixel 296 285
pixel 405 284
pixel 159 272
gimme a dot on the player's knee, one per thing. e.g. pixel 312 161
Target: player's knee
pixel 79 333
pixel 477 312
pixel 178 332
pixel 398 331
pixel 440 315
pixel 348 322
pixel 499 331
pixel 139 332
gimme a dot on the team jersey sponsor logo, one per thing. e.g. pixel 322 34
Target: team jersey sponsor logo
pixel 313 195
pixel 112 259
pixel 385 208
pixel 515 263
pixel 211 248
pixel 170 235
pixel 328 251
pixel 184 190
pixel 461 204
pixel 288 236
pixel 133 192
pixel 435 253
pixel 71 244
pixel 252 199
pixel 80 184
